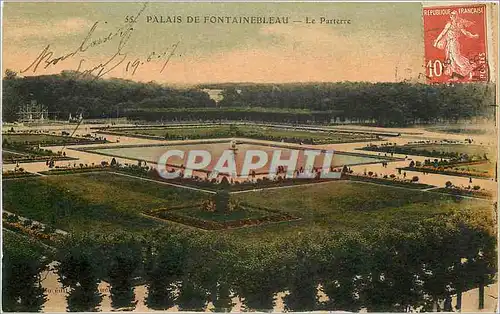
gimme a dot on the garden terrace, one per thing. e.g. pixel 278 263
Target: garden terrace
pixel 348 205
pixel 27 147
pixel 460 152
pixel 46 139
pixel 151 153
pixel 33 157
pixel 337 223
pixel 107 202
pixel 289 135
pixel 91 201
pixel 478 169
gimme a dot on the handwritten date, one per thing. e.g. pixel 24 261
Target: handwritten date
pixel 166 55
pixel 120 37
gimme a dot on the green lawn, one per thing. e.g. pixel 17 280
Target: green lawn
pixel 347 205
pixel 37 138
pixel 462 129
pixel 245 131
pixel 12 239
pixel 438 150
pixel 246 213
pixel 7 155
pixel 27 145
pixel 107 202
pixel 470 149
pixel 16 140
pixel 98 201
pixel 186 132
pixel 487 167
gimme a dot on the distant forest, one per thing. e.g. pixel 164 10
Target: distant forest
pixel 385 104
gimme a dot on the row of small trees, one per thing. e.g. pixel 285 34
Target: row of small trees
pixel 415 266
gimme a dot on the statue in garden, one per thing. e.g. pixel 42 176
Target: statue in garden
pixel 233 147
pixel 220 203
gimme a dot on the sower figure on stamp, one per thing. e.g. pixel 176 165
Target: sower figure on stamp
pixel 456 63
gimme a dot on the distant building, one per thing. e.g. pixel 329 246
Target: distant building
pixel 77 118
pixel 214 94
pixel 33 112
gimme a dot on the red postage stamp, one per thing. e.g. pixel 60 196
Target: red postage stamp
pixel 455 44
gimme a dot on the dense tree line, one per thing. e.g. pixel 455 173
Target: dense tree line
pixel 391 269
pixel 68 93
pixel 384 103
pixel 387 104
pixel 231 114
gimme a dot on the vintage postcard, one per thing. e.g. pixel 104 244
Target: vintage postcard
pixel 249 157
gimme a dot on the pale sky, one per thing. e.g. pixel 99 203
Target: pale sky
pixel 380 38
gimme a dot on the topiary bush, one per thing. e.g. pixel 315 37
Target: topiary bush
pixel 221 199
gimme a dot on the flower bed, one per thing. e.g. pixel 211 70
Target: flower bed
pixel 17 174
pixel 390 181
pixel 45 234
pixel 215 184
pixel 72 170
pixel 419 150
pixel 27 159
pixel 465 192
pixel 197 182
pixel 184 215
pixel 450 168
pixel 48 139
pixel 28 146
pixel 449 171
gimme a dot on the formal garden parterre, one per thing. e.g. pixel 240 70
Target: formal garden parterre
pixel 341 222
pixel 29 147
pixel 115 200
pixel 446 157
pixel 269 133
pixel 439 149
pixel 365 241
pixel 364 245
